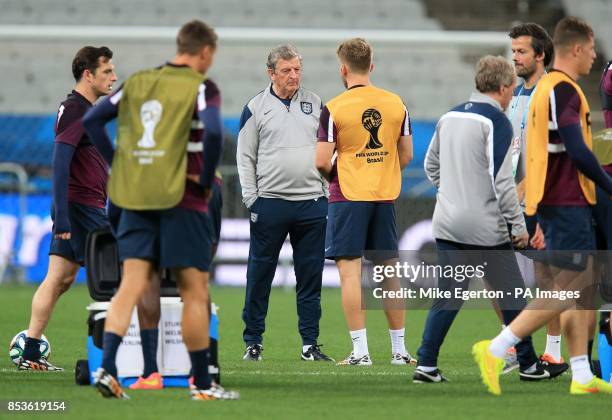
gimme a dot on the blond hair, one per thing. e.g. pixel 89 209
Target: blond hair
pixel 356 54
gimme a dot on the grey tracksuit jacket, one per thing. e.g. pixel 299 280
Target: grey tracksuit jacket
pixel 277 146
pixel 469 161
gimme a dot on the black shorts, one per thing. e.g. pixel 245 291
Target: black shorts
pixel 173 238
pixel 83 219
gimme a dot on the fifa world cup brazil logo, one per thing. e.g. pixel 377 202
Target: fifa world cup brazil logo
pixel 150 114
pixel 371 121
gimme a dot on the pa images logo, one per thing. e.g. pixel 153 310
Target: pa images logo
pixel 306 107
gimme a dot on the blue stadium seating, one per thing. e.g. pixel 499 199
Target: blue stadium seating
pixel 28 140
pixel 24 139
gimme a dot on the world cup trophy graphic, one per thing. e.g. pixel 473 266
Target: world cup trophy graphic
pixel 371 121
pixel 150 114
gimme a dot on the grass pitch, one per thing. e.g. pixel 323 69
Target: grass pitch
pixel 282 386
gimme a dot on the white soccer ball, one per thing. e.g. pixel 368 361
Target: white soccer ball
pixel 18 345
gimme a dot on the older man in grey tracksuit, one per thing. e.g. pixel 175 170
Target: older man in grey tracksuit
pixel 285 194
pixel 477 216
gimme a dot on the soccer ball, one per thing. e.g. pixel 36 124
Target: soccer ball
pixel 18 345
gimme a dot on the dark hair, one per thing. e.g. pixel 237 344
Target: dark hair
pixel 193 36
pixel 88 58
pixel 571 30
pixel 540 40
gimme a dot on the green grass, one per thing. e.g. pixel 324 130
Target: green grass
pixel 281 386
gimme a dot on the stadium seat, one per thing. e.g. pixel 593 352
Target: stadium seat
pixel 240 71
pixel 414 72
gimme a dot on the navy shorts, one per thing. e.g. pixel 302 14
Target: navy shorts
pixel 568 233
pixel 114 214
pixel 356 226
pixel 214 213
pixel 83 219
pixel 173 238
pixel 602 216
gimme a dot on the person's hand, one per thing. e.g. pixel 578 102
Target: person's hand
pixel 537 240
pixel 64 236
pixel 61 228
pixel 208 194
pixel 520 191
pixel 194 178
pixel 520 241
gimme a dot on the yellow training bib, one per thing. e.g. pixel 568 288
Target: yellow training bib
pixel 537 140
pixel 369 124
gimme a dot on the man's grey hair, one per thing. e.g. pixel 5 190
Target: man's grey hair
pixel 493 72
pixel 282 52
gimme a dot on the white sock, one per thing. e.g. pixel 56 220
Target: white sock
pixel 427 369
pixel 553 346
pixel 360 342
pixel 305 348
pixel 397 341
pixel 500 344
pixel 581 371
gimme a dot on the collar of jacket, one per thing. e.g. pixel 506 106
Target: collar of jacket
pixel 294 98
pixel 481 97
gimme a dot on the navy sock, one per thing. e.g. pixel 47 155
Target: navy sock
pixel 148 340
pixel 32 349
pixel 199 366
pixel 110 345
